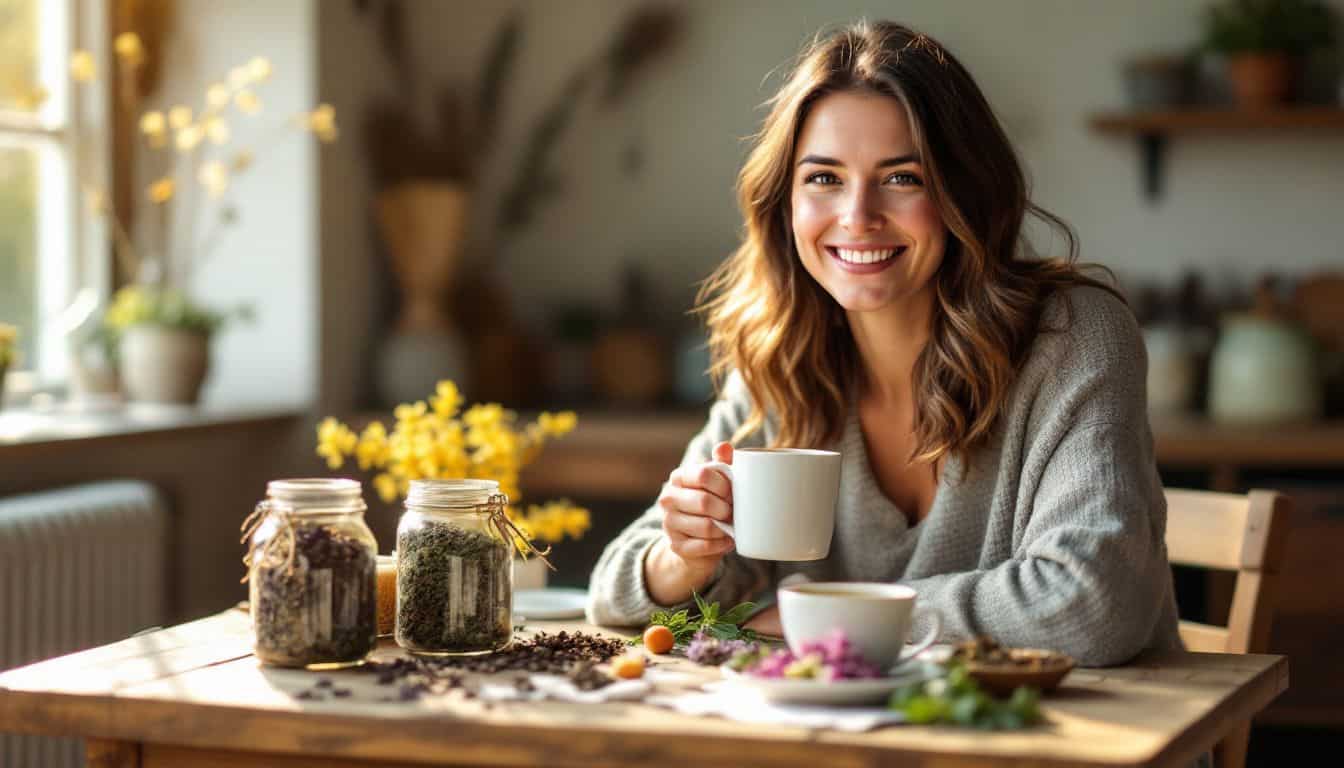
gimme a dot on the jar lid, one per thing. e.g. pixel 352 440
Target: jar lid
pixel 451 494
pixel 316 491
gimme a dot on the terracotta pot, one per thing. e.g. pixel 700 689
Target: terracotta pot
pixel 630 366
pixel 1260 80
pixel 163 365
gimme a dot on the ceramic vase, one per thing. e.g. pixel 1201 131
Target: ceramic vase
pixel 163 365
pixel 1173 369
pixel 93 372
pixel 423 225
pixel 1157 82
pixel 1263 371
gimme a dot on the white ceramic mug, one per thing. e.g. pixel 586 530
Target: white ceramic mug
pixel 783 502
pixel 876 618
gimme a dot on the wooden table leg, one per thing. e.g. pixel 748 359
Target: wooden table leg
pixel 1231 751
pixel 101 753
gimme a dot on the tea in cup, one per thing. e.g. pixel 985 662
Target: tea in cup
pixel 875 617
pixel 783 502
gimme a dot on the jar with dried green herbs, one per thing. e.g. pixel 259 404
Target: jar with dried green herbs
pixel 454 569
pixel 312 564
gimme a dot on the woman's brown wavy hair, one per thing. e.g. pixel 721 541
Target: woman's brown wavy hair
pixel 770 321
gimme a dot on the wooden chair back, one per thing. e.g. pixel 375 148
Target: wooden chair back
pixel 1231 532
pixel 1240 533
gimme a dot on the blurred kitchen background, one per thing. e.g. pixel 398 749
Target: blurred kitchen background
pixel 521 197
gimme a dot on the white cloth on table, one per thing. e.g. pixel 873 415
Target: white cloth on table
pixel 736 702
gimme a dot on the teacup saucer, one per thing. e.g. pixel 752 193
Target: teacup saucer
pixel 551 603
pixel 782 690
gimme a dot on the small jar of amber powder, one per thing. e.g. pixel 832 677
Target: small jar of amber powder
pixel 387 594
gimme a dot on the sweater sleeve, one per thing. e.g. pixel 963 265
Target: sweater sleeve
pixel 617 593
pixel 1089 574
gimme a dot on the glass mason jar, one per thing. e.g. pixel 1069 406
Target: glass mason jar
pixel 454 574
pixel 312 565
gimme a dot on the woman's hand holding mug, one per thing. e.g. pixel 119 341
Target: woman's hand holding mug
pixel 693 499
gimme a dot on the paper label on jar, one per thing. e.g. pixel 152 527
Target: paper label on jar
pixel 346 603
pixel 469 584
pixel 318 608
pixel 453 618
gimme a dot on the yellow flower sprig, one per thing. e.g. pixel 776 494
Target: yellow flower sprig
pixel 9 337
pixel 553 521
pixel 435 438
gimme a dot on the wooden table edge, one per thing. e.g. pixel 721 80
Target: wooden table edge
pixel 97 717
pixel 488 744
pixel 104 716
pixel 1267 685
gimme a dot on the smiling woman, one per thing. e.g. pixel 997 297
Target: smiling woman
pixel 988 404
pixel 864 226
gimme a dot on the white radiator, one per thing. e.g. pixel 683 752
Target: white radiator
pixel 79 567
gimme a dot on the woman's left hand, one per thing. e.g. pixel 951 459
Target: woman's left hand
pixel 766 622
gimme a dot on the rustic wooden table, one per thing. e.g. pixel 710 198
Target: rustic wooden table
pixel 193 695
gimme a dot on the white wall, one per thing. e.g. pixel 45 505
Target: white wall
pixel 1233 206
pixel 350 74
pixel 269 258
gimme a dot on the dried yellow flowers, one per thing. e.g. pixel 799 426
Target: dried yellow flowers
pixel 195 143
pixel 434 438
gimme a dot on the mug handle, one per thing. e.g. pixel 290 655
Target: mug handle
pixel 927 640
pixel 726 469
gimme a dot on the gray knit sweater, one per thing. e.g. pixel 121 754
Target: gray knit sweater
pixel 1050 535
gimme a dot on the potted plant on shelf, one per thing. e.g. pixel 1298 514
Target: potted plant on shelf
pixel 162 341
pixel 1263 40
pixel 435 438
pixel 156 328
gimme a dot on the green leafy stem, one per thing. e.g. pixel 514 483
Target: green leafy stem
pixel 709 618
pixel 957 699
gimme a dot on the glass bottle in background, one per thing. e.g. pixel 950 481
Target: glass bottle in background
pixel 312 562
pixel 1173 364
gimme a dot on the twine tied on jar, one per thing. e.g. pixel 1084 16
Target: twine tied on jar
pixel 495 506
pixel 254 521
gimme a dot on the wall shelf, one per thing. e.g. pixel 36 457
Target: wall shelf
pixel 1152 128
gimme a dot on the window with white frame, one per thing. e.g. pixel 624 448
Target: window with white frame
pixel 49 134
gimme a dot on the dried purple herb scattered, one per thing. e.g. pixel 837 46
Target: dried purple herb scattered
pixel 707 649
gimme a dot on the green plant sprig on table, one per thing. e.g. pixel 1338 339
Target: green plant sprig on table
pixel 957 699
pixel 723 625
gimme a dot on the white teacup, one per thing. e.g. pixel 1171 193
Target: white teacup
pixel 875 617
pixel 783 502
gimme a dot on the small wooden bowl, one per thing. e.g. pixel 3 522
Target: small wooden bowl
pixel 1042 670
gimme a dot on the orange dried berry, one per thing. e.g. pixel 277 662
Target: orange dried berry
pixel 659 639
pixel 628 667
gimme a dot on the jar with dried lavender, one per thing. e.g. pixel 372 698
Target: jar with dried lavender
pixel 312 566
pixel 454 569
